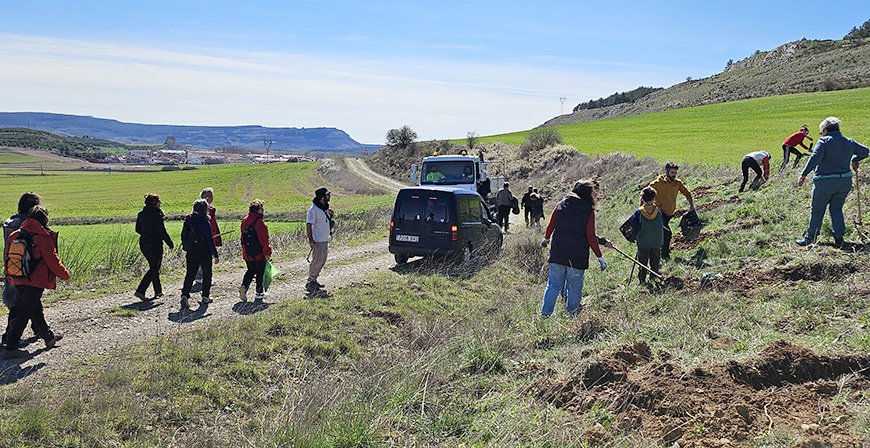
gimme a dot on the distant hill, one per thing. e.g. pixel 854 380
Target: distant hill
pixel 194 137
pixel 797 67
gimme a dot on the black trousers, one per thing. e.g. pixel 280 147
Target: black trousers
pixel 786 151
pixel 256 269
pixel 666 246
pixel 29 309
pixel 195 262
pixel 749 162
pixel 651 258
pixel 154 255
pixel 504 214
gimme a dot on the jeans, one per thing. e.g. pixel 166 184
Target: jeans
pixel 559 276
pixel 30 309
pixel 154 255
pixel 195 261
pixel 828 193
pixel 256 269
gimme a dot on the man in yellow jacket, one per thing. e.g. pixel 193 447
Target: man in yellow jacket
pixel 667 186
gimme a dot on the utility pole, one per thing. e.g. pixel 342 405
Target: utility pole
pixel 268 145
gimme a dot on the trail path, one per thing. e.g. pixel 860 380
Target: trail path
pixel 359 167
pixel 90 330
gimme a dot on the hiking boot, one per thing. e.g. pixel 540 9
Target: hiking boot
pixel 58 335
pixel 313 286
pixel 185 302
pixel 139 295
pixel 838 241
pixel 158 295
pixel 15 353
pixel 261 295
pixel 243 293
pixel 205 300
pixel 804 242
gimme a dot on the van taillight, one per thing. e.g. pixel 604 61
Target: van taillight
pixel 391 228
pixel 453 229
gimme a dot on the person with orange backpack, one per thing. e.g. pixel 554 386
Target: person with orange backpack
pixel 10 294
pixel 36 270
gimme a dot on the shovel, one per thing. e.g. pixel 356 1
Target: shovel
pixel 859 221
pixel 638 263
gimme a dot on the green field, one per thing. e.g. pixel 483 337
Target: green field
pixel 10 157
pixel 718 133
pixel 87 197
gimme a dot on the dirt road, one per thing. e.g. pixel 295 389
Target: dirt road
pixel 90 330
pixel 359 167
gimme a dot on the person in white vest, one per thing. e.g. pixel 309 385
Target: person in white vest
pixel 756 161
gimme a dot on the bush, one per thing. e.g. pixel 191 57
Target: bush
pixel 540 139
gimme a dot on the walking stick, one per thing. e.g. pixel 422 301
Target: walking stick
pixel 638 263
pixel 630 274
pixel 859 223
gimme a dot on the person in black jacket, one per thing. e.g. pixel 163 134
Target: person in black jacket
pixel 200 249
pixel 152 234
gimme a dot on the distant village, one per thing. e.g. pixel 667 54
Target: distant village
pixel 192 157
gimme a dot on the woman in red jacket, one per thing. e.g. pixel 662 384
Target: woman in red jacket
pixel 30 289
pixel 255 249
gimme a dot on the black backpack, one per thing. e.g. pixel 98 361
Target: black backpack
pixel 190 241
pixel 251 241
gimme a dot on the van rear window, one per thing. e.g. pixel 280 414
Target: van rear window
pixel 431 207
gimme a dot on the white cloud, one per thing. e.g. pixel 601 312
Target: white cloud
pixel 363 97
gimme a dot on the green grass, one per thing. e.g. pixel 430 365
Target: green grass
pixel 9 157
pixel 716 134
pixel 287 189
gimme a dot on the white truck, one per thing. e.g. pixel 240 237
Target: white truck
pixel 460 171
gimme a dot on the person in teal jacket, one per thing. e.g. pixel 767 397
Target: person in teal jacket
pixel 830 159
pixel 648 225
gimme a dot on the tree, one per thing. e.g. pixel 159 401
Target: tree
pixel 540 139
pixel 472 138
pixel 859 33
pixel 402 137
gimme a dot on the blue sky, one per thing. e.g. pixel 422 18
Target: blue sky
pixel 444 68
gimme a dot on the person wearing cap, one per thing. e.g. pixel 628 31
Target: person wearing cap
pixel 790 144
pixel 755 161
pixel 830 159
pixel 318 227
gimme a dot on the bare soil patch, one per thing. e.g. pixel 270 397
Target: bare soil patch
pixel 785 387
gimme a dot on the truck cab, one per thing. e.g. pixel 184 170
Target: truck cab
pixel 459 171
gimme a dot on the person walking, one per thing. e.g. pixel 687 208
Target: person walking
pixel 318 228
pixel 30 289
pixel 755 161
pixel 790 144
pixel 256 249
pixel 208 194
pixel 832 182
pixel 572 229
pixel 647 224
pixel 667 186
pixel 152 235
pixel 504 200
pixel 197 241
pixel 536 203
pixel 10 293
pixel 527 206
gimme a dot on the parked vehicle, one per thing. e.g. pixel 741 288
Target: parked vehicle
pixel 459 171
pixel 441 221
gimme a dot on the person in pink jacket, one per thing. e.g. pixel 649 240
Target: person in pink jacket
pixel 30 289
pixel 256 249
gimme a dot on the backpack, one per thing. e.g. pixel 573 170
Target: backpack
pixel 190 241
pixel 690 225
pixel 19 261
pixel 251 241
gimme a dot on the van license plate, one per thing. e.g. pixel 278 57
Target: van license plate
pixel 408 238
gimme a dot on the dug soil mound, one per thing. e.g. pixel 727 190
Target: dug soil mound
pixel 786 388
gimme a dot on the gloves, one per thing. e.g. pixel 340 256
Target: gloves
pixel 544 242
pixel 602 263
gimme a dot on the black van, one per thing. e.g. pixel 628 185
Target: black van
pixel 441 221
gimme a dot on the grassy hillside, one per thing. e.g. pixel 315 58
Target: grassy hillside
pixel 432 355
pixel 718 133
pixel 796 67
